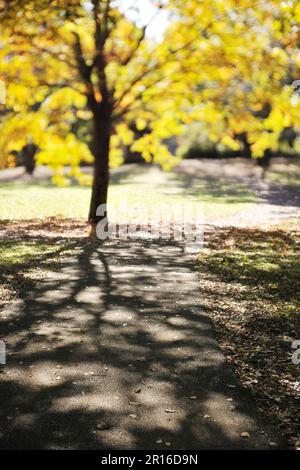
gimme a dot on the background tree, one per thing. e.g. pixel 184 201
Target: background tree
pixel 228 64
pixel 239 81
pixel 88 60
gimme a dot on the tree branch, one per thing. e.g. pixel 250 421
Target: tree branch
pixel 131 55
pixel 101 35
pixel 85 72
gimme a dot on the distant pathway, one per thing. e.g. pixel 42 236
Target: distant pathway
pixel 274 202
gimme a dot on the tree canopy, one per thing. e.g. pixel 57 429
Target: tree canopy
pixel 227 64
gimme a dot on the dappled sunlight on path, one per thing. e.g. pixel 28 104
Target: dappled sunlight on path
pixel 114 351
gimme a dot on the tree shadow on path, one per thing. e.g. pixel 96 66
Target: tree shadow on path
pixel 113 351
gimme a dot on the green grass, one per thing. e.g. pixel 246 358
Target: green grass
pixel 265 267
pixel 24 261
pixel 16 253
pixel 286 179
pixel 288 175
pixel 144 186
pixel 32 201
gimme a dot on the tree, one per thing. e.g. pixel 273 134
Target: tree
pixel 226 63
pixel 245 61
pixel 85 58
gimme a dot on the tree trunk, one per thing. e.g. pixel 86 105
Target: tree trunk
pixel 29 152
pixel 101 139
pixel 243 138
pixel 265 162
pixel 247 146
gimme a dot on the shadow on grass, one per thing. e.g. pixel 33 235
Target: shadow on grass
pixel 267 260
pixel 214 189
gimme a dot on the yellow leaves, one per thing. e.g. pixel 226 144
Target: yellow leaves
pixel 297 12
pixel 58 153
pixel 65 97
pixel 222 61
pixel 241 72
pixel 166 126
pixel 264 141
pixel 230 142
pixel 63 151
pixel 11 161
pixel 116 157
pixel 17 96
pixel 277 120
pixel 19 130
pixel 60 180
pixel 82 178
pixel 210 113
pixel 141 124
pixel 145 147
pixel 125 134
pixel 84 114
pixel 116 153
pixel 152 150
pixel 279 54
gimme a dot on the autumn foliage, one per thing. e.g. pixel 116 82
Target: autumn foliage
pixel 69 65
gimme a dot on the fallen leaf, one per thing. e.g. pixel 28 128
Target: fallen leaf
pixel 273 444
pixel 103 425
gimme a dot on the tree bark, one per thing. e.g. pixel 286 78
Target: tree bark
pixel 100 149
pixel 265 162
pixel 243 138
pixel 29 152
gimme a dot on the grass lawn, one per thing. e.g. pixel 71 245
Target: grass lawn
pixel 287 173
pixel 148 187
pixel 24 261
pixel 250 286
pixel 16 253
pixel 40 200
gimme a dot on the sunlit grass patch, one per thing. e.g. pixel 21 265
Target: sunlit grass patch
pixel 147 187
pixel 268 262
pixel 286 174
pixel 17 252
pixel 286 179
pixel 24 261
pixel 36 200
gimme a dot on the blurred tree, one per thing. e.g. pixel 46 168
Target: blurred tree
pixel 72 60
pixel 226 63
pixel 28 157
pixel 245 57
